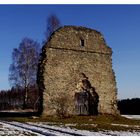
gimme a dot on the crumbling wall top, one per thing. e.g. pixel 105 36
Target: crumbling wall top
pixel 78 38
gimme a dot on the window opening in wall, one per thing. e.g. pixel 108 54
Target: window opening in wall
pixel 82 43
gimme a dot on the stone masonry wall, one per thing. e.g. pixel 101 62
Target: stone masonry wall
pixel 63 59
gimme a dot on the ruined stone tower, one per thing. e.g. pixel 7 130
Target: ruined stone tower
pixel 70 51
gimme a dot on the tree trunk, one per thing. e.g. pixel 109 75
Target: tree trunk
pixel 25 95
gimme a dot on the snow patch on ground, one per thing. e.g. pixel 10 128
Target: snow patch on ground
pixel 125 125
pixel 90 133
pixel 61 128
pixel 44 131
pixel 135 117
pixel 9 130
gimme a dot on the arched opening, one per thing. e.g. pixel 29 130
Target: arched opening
pixel 86 98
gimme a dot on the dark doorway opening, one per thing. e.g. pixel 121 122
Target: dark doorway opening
pixel 86 98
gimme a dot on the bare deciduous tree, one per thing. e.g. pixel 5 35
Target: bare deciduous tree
pixel 53 23
pixel 23 70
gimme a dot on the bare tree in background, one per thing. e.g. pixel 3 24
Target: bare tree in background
pixel 23 70
pixel 53 23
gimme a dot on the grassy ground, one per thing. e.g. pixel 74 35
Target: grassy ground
pixel 92 123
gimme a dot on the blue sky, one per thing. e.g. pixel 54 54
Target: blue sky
pixel 120 25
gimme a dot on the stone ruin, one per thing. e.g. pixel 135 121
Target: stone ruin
pixel 75 73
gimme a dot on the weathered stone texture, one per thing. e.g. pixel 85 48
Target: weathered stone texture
pixel 63 59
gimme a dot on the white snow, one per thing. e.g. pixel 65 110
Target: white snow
pixel 125 125
pixel 36 128
pixel 10 130
pixel 66 129
pixel 90 133
pixel 135 117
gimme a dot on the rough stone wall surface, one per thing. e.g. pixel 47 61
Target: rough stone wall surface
pixel 63 58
